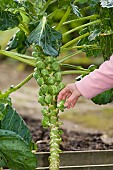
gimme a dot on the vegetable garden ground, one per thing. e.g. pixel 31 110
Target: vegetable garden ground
pixel 87 126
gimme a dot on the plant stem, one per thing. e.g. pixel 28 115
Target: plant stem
pixel 94 46
pixel 17 57
pixel 46 5
pixel 74 67
pixel 12 89
pixel 82 26
pixel 50 16
pixel 18 54
pixel 26 27
pixel 69 56
pixel 55 141
pixel 74 40
pixel 81 19
pixel 63 18
pixel 74 72
pixel 23 29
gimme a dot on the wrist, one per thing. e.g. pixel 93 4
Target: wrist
pixel 77 91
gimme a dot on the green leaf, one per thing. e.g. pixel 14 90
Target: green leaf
pixel 47 38
pixel 76 10
pixel 63 4
pixel 17 42
pixel 93 2
pixel 8 4
pixel 94 34
pixel 106 3
pixel 16 151
pixel 14 122
pixel 3 161
pixel 8 20
pixel 104 98
pixel 2 108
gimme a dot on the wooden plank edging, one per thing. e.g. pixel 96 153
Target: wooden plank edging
pixel 79 158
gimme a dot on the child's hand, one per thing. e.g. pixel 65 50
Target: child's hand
pixel 71 94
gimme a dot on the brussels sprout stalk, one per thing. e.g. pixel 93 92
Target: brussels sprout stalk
pixel 48 76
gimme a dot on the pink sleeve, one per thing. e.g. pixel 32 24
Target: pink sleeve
pixel 97 81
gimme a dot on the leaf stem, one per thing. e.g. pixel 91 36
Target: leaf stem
pixel 26 27
pixel 17 57
pixel 23 29
pixel 74 67
pixel 81 26
pixel 12 89
pixel 46 5
pixel 94 46
pixel 81 19
pixel 74 40
pixel 63 18
pixel 74 72
pixel 69 56
pixel 51 15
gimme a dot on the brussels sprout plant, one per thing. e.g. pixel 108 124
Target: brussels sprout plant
pixel 38 29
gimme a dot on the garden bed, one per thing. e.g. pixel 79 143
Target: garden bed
pixel 81 151
pixel 71 141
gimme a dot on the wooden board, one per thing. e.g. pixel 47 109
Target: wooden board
pixel 78 160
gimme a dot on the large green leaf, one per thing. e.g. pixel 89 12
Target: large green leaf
pixel 76 10
pixel 14 122
pixel 104 98
pixel 2 108
pixel 17 42
pixel 8 20
pixel 47 38
pixel 7 4
pixel 16 151
pixel 94 34
pixel 3 161
pixel 107 3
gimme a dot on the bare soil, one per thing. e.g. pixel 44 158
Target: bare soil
pixel 71 141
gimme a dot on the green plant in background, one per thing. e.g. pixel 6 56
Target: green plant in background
pixel 38 29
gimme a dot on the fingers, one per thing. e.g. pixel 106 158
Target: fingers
pixel 71 94
pixel 64 94
pixel 71 101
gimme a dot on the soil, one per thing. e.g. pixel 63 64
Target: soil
pixel 71 141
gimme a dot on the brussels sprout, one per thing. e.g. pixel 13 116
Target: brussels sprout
pixel 40 81
pixel 51 108
pixel 53 113
pixel 53 89
pixel 35 54
pixel 53 119
pixel 45 72
pixel 40 93
pixel 45 121
pixel 49 60
pixel 40 65
pixel 61 86
pixel 61 106
pixel 48 99
pixel 55 66
pixel 36 75
pixel 58 76
pixel 41 100
pixel 44 112
pixel 38 59
pixel 51 80
pixel 44 88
